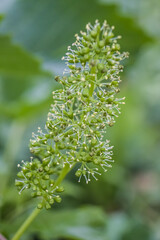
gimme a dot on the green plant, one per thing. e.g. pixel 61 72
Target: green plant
pixel 77 120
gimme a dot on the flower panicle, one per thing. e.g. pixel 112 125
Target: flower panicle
pixel 79 115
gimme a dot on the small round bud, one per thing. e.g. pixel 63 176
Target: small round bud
pixel 46 168
pixel 78 173
pixel 47 206
pixel 100 66
pixel 18 183
pixel 20 175
pixel 46 177
pixel 101 43
pixel 117 47
pixel 94 33
pixel 60 189
pixel 35 181
pixel 51 201
pixel 40 206
pixel 29 175
pixel 85 92
pixel 86 50
pixel 39 193
pixel 58 199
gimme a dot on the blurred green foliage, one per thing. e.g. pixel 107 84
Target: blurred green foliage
pixel 125 203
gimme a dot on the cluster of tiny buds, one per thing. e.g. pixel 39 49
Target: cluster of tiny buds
pixel 82 109
pixel 36 176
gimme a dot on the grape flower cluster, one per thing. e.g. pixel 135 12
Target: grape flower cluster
pixel 82 109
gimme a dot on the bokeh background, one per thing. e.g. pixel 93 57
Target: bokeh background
pixel 124 204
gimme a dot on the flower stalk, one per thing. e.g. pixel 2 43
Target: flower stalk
pixel 26 224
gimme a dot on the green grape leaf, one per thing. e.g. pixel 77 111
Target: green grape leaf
pixel 15 61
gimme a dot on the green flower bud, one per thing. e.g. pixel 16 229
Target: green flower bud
pixel 86 50
pixel 45 162
pixel 40 206
pixel 51 201
pixel 100 66
pixel 20 175
pixel 101 43
pixel 39 193
pixel 44 186
pixel 86 57
pixel 111 62
pixel 35 181
pixel 60 189
pixel 29 175
pixel 47 206
pixel 97 50
pixel 117 47
pixel 58 199
pixel 18 183
pixel 115 83
pixel 94 33
pixel 94 141
pixel 78 173
pixel 46 168
pixel 52 181
pixel 87 37
pixel 85 92
pixel 34 188
pixel 46 177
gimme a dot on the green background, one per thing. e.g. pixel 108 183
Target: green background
pixel 124 204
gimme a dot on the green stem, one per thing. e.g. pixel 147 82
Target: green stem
pixel 26 224
pixel 64 172
pixel 36 211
